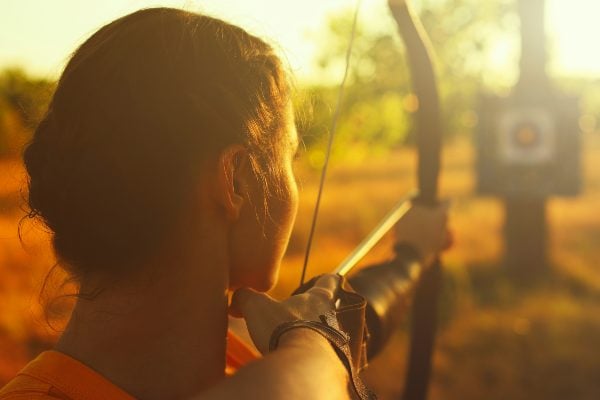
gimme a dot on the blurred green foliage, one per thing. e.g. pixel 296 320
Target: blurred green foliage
pixel 378 103
pixel 23 102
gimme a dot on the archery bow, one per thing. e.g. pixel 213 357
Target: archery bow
pixel 429 139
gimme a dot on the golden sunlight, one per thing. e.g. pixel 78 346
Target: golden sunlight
pixel 574 31
pixel 294 26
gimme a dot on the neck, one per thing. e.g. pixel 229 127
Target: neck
pixel 160 339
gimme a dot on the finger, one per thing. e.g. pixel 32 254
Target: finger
pixel 443 210
pixel 446 204
pixel 448 241
pixel 326 286
pixel 234 311
pixel 245 300
pixel 328 281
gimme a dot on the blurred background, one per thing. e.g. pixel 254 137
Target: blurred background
pixel 520 308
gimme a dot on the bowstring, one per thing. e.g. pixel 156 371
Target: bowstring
pixel 332 131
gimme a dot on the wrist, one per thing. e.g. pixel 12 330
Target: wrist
pixel 329 342
pixel 308 342
pixel 304 338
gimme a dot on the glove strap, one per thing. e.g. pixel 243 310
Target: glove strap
pixel 329 329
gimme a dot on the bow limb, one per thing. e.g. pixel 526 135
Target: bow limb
pixel 424 82
pixel 429 140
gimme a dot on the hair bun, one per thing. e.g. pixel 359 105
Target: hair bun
pixel 137 110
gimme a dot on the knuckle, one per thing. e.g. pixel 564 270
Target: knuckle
pixel 321 293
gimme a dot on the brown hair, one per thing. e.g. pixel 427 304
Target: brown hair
pixel 139 107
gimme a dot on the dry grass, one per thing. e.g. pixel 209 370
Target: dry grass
pixel 496 341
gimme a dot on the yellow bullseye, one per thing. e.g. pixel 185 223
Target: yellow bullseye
pixel 527 136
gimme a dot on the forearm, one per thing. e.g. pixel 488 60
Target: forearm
pixel 303 366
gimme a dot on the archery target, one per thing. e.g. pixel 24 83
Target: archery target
pixel 526 136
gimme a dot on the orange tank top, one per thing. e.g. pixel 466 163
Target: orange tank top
pixel 54 375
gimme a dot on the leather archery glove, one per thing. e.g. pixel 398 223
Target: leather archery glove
pixel 350 309
pixel 263 313
pixel 326 306
pixel 425 229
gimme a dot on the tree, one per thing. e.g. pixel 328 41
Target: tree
pixel 378 101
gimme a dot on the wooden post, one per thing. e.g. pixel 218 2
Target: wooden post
pixel 526 238
pixel 526 220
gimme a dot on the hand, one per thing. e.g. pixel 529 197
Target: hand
pixel 425 229
pixel 263 313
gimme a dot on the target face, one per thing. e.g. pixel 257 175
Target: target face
pixel 526 136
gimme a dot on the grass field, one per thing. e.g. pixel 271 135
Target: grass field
pixel 497 340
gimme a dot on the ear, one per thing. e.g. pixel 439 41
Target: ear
pixel 234 174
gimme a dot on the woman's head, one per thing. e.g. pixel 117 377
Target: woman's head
pixel 144 106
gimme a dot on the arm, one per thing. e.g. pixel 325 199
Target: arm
pixel 304 366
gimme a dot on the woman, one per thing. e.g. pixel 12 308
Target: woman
pixel 163 169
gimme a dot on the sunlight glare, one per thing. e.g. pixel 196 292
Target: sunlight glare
pixel 573 37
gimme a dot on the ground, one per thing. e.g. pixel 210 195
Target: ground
pixel 498 339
